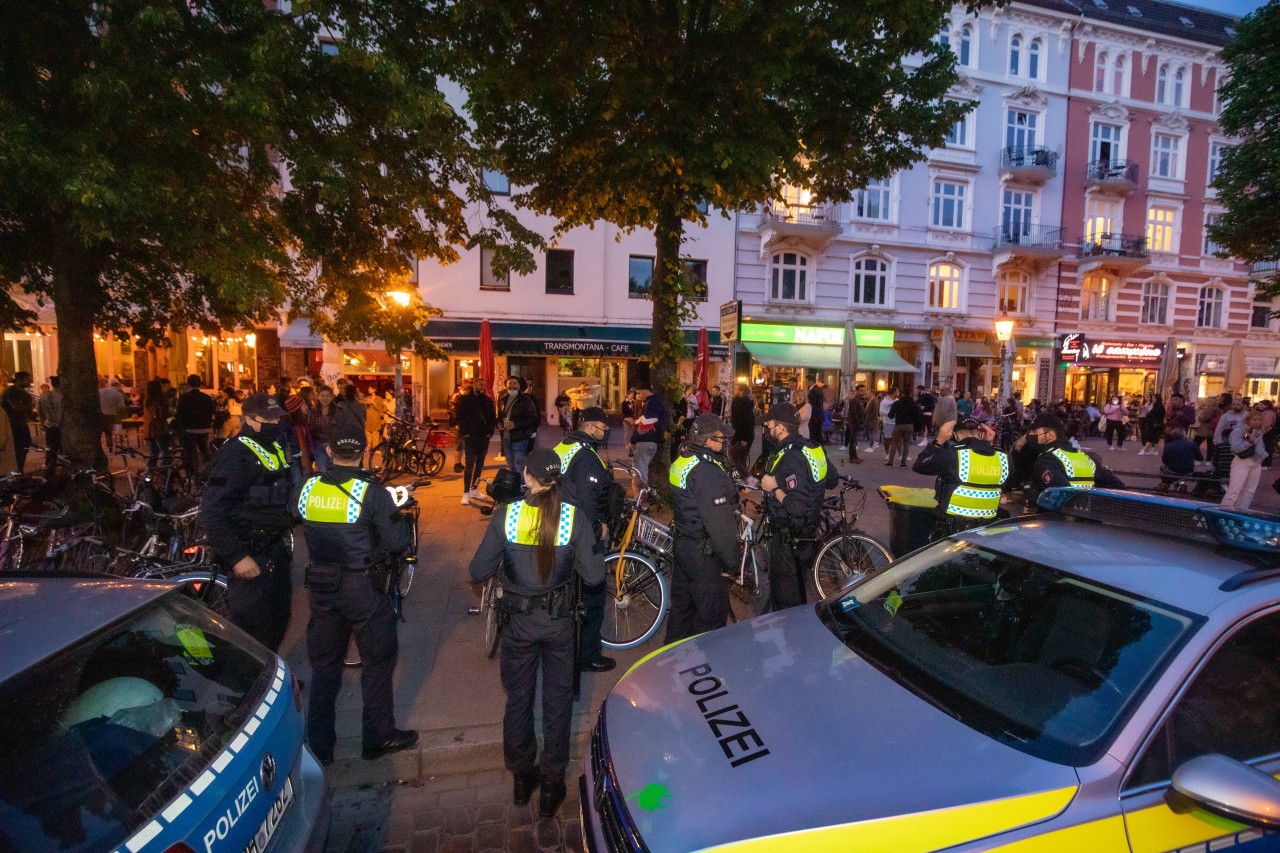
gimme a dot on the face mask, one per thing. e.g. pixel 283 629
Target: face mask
pixel 511 392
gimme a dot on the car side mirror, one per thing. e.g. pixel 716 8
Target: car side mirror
pixel 1227 788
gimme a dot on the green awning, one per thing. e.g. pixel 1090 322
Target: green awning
pixel 828 358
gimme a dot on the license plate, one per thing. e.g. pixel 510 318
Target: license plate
pixel 268 828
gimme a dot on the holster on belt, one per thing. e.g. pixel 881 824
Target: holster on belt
pixel 556 602
pixel 324 578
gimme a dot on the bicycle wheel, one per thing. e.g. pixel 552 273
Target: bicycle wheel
pixel 492 619
pixel 405 580
pixel 383 460
pixel 634 611
pixel 749 599
pixel 845 558
pixel 433 462
pixel 207 587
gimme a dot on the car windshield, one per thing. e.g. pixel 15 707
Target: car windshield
pixel 98 738
pixel 1044 661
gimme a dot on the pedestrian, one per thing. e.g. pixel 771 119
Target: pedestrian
pixel 964 405
pixel 49 409
pixel 451 406
pixel 234 413
pixel 537 545
pixel 650 426
pixel 298 411
pixel 719 403
pixel 925 400
pixel 969 472
pixel 564 411
pixel 245 513
pixel 375 415
pixel 1153 426
pixel 353 529
pixel 586 481
pixel 1116 416
pixel 19 405
pixel 704 501
pixel 742 418
pixel 322 423
pixel 871 421
pixel 348 411
pixel 193 421
pixel 1059 463
pixel 817 406
pixel 518 420
pixel 526 388
pixel 906 416
pixel 476 416
pixel 796 478
pixel 1249 449
pixel 155 423
pixel 1178 459
pixel 583 396
pixel 467 386
pixel 945 410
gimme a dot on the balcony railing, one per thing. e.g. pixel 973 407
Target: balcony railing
pixel 1028 236
pixel 1112 171
pixel 1114 246
pixel 800 214
pixel 1264 269
pixel 1022 157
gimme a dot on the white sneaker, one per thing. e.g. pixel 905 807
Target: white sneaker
pixel 1142 452
pixel 466 499
pixel 474 494
pixel 871 447
pixel 844 447
pixel 923 442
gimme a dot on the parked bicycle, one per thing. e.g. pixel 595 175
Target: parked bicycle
pixel 845 553
pixel 636 567
pixel 410 449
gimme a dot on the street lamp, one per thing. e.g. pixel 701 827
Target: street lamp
pixel 1004 334
pixel 399 299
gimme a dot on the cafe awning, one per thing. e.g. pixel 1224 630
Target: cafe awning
pixel 828 357
pixel 558 339
pixel 973 349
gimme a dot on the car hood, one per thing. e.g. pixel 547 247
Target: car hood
pixel 774 730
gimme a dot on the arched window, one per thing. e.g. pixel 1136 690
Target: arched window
pixel 944 287
pixel 1179 81
pixel 1095 297
pixel 1117 72
pixel 870 285
pixel 966 44
pixel 1209 313
pixel 1015 55
pixel 1013 286
pixel 1033 59
pixel 789 277
pixel 1162 84
pixel 1155 303
pixel 1100 69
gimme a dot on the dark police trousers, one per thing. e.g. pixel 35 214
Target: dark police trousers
pixel 699 595
pixel 789 560
pixel 261 606
pixel 533 642
pixel 356 607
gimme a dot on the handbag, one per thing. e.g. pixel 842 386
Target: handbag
pixel 1248 453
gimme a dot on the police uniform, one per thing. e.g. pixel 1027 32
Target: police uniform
pixel 245 513
pixel 970 476
pixel 585 483
pixel 1060 464
pixel 538 636
pixel 352 525
pixel 803 474
pixel 703 500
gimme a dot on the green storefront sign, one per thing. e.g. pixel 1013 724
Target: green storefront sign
pixel 822 335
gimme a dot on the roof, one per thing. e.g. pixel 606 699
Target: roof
pixel 1155 16
pixel 41 616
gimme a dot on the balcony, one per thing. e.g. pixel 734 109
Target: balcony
pixel 1119 177
pixel 807 226
pixel 1039 244
pixel 1120 253
pixel 1028 165
pixel 1263 270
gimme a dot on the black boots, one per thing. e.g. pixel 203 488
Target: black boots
pixel 399 740
pixel 524 785
pixel 553 794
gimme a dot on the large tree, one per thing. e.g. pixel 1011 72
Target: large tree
pixel 643 113
pixel 174 163
pixel 1248 179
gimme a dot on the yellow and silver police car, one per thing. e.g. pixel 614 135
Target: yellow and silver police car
pixel 1103 676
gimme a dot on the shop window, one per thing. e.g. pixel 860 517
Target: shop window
pixel 870 282
pixel 789 277
pixel 1095 297
pixel 1155 304
pixel 1160 228
pixel 1209 312
pixel 560 271
pixel 1014 286
pixel 489 279
pixel 944 287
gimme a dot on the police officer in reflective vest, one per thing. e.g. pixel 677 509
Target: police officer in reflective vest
pixel 538 543
pixel 352 525
pixel 245 512
pixel 585 483
pixel 797 476
pixel 1059 463
pixel 703 500
pixel 970 474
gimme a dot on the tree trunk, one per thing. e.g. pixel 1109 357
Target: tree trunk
pixel 667 340
pixel 76 295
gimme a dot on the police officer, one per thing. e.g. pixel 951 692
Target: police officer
pixel 538 543
pixel 1059 463
pixel 970 474
pixel 245 512
pixel 703 500
pixel 585 483
pixel 352 526
pixel 796 478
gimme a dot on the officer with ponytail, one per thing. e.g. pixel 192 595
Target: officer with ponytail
pixel 539 544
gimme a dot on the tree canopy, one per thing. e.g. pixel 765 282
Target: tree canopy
pixel 1248 179
pixel 172 163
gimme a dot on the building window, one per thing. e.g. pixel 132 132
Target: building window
pixel 560 271
pixel 1101 70
pixel 697 273
pixel 496 182
pixel 1160 227
pixel 489 280
pixel 1211 249
pixel 1155 304
pixel 966 45
pixel 944 287
pixel 1179 86
pixel 1015 56
pixel 639 276
pixel 1033 59
pixel 870 282
pixel 1020 130
pixel 1215 160
pixel 1101 214
pixel 1095 297
pixel 329 47
pixel 1209 314
pixel 789 277
pixel 1013 287
pixel 1171 85
pixel 948 204
pixel 1165 161
pixel 958 135
pixel 1261 316
pixel 1015 218
pixel 1108 73
pixel 872 202
pixel 1104 143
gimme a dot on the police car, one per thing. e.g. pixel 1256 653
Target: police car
pixel 1104 676
pixel 136 720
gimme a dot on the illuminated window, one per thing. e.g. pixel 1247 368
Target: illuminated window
pixel 944 287
pixel 1160 226
pixel 1013 287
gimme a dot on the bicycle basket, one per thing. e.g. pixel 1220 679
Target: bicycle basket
pixel 440 438
pixel 654 535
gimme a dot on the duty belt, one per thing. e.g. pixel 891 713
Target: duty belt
pixel 554 602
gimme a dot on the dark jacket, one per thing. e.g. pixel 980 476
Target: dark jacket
pixel 475 414
pixel 1047 472
pixel 742 417
pixel 519 563
pixel 349 413
pixel 585 481
pixel 1180 455
pixel 703 507
pixel 802 506
pixel 653 408
pixel 195 411
pixel 905 412
pixel 378 532
pixel 718 404
pixel 817 401
pixel 522 412
pixel 244 503
pixel 943 461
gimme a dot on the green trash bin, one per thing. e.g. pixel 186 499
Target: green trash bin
pixel 912 520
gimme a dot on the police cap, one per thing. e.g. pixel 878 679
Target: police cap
pixel 783 413
pixel 543 464
pixel 347 439
pixel 262 406
pixel 593 415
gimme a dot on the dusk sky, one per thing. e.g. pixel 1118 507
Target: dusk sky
pixel 1231 7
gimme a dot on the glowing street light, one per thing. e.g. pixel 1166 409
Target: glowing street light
pixel 1004 334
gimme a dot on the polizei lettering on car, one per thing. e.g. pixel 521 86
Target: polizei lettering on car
pixel 233 814
pixel 729 725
